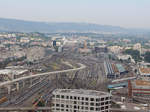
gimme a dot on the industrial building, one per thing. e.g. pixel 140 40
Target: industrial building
pixel 121 69
pixel 113 70
pixel 117 85
pixel 79 100
pixel 139 88
pixel 109 70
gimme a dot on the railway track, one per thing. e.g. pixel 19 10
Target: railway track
pixel 24 96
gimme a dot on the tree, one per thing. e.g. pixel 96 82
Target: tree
pixel 147 57
pixel 134 53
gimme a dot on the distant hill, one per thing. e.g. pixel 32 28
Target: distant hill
pixel 13 25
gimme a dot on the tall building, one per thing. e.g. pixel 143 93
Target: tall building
pixel 79 100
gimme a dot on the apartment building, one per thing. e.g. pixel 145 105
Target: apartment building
pixel 79 100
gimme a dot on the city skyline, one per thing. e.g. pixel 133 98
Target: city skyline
pixel 128 14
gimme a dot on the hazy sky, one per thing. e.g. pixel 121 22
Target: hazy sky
pixel 126 13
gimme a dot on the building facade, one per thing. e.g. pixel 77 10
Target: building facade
pixel 79 100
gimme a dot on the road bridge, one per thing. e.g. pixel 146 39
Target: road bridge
pixel 124 79
pixel 8 83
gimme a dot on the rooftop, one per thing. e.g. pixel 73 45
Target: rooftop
pixel 142 83
pixel 120 68
pixel 144 70
pixel 114 68
pixel 80 92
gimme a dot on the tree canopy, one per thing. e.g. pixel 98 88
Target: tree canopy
pixel 134 53
pixel 147 57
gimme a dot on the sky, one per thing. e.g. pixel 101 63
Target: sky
pixel 124 13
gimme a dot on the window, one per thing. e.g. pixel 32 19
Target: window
pixel 82 98
pixel 86 103
pixel 70 97
pixel 67 97
pixel 92 104
pixel 102 103
pixel 106 107
pixel 87 99
pixel 62 105
pixel 91 108
pixel 97 109
pixel 75 106
pixel 67 106
pixel 97 104
pixel 102 108
pixel 57 105
pixel 75 102
pixel 82 107
pixel 97 99
pixel 75 98
pixel 57 96
pixel 78 98
pixel 92 99
pixel 107 98
pixel 86 108
pixel 102 99
pixel 110 97
pixel 57 109
pixel 62 96
pixel 106 103
pixel 82 103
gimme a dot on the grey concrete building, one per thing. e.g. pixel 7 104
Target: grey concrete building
pixel 79 100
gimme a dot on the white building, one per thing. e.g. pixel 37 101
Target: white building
pixel 138 47
pixel 126 57
pixel 115 49
pixel 24 40
pixel 79 100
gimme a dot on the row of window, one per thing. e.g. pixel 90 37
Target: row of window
pixel 82 98
pixel 84 108
pixel 91 104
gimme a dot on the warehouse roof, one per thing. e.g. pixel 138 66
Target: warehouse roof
pixel 142 83
pixel 120 68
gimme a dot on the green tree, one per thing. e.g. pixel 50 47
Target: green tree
pixel 147 57
pixel 134 53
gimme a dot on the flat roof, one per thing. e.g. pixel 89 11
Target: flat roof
pixel 80 92
pixel 144 70
pixel 142 83
pixel 114 68
pixel 120 68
